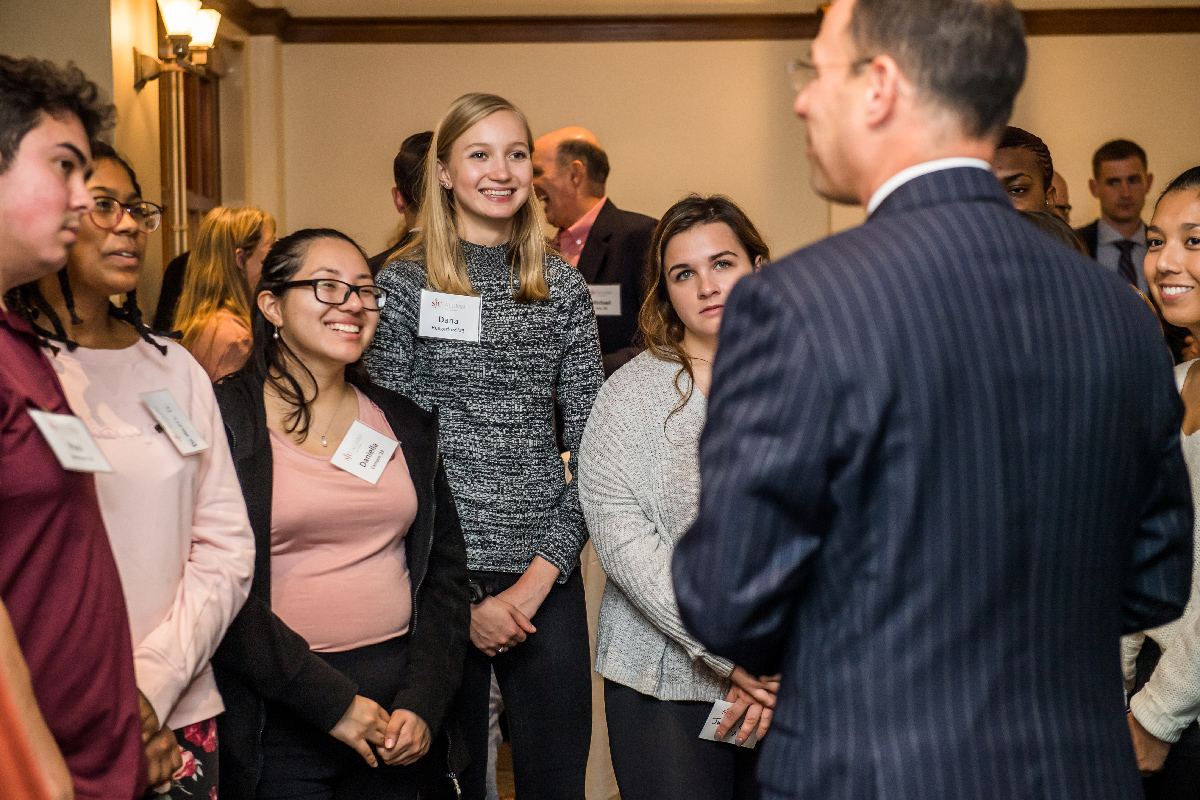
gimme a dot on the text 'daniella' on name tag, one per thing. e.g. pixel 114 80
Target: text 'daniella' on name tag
pixel 364 452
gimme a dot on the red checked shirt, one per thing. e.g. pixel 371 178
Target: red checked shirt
pixel 60 585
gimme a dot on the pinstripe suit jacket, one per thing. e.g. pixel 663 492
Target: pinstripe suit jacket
pixel 941 474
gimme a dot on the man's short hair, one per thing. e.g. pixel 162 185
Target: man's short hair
pixel 1118 150
pixel 966 55
pixel 594 159
pixel 1022 139
pixel 408 168
pixel 30 87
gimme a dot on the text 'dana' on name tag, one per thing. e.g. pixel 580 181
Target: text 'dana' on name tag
pixel 71 441
pixel 449 316
pixel 606 299
pixel 175 423
pixel 364 452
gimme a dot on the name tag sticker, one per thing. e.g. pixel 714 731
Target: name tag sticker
pixel 449 316
pixel 709 731
pixel 71 441
pixel 174 422
pixel 364 452
pixel 606 299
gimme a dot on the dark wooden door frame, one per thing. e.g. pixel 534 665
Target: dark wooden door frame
pixel 631 28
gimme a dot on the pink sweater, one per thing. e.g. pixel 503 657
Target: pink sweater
pixel 177 525
pixel 339 576
pixel 223 346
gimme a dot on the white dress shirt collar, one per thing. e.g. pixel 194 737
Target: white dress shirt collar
pixel 905 175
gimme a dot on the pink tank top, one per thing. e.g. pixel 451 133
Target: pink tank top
pixel 339 576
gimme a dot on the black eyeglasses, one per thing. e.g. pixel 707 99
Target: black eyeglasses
pixel 335 293
pixel 109 212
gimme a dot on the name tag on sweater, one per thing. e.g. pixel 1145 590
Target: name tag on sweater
pixel 449 316
pixel 606 299
pixel 364 452
pixel 174 422
pixel 709 731
pixel 71 441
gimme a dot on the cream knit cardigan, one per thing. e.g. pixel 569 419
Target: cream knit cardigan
pixel 639 485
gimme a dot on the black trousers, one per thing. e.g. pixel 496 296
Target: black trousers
pixel 303 763
pixel 547 690
pixel 657 753
pixel 1180 775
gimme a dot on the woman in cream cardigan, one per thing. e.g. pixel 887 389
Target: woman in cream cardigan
pixel 639 486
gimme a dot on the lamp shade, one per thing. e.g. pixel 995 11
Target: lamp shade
pixel 178 15
pixel 204 29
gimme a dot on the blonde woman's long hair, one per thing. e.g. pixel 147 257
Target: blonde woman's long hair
pixel 438 243
pixel 213 279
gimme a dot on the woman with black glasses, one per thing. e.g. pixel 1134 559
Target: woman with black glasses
pixel 171 504
pixel 339 671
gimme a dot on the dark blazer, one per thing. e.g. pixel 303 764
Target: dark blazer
pixel 261 658
pixel 941 475
pixel 1090 234
pixel 615 252
pixel 170 292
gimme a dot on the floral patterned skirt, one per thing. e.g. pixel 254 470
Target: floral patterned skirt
pixel 197 778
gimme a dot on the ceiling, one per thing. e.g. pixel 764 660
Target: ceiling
pixel 487 8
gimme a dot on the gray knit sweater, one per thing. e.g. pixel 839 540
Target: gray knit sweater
pixel 495 399
pixel 639 483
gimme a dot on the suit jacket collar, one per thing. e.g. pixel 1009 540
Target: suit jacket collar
pixel 597 242
pixel 956 185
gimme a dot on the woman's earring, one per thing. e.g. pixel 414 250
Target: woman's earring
pixel 276 334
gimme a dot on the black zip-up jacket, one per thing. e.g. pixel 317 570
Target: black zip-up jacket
pixel 261 658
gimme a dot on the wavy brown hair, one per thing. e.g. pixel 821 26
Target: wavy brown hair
pixel 659 327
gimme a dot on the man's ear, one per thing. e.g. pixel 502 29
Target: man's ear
pixel 1093 187
pixel 578 173
pixel 1149 182
pixel 268 304
pixel 884 87
pixel 398 200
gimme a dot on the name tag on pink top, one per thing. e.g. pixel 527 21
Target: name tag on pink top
pixel 364 452
pixel 174 422
pixel 71 441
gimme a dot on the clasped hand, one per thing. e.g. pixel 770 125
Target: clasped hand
pixel 163 758
pixel 752 699
pixel 496 623
pixel 401 738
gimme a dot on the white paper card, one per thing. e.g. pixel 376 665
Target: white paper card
pixel 174 422
pixel 71 441
pixel 709 731
pixel 364 452
pixel 449 316
pixel 606 299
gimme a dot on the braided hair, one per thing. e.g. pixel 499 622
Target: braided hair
pixel 29 302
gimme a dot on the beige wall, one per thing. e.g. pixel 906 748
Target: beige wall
pixel 62 31
pixel 684 116
pixel 675 117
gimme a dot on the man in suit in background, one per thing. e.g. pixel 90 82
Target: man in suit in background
pixel 1062 198
pixel 606 244
pixel 1120 181
pixel 941 472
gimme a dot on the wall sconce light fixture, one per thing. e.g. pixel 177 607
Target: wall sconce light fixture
pixel 191 31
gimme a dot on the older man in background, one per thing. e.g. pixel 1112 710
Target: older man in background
pixel 606 244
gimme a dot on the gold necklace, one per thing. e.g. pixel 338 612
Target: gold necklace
pixel 324 441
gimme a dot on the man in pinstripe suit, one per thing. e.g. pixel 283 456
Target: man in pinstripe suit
pixel 941 472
